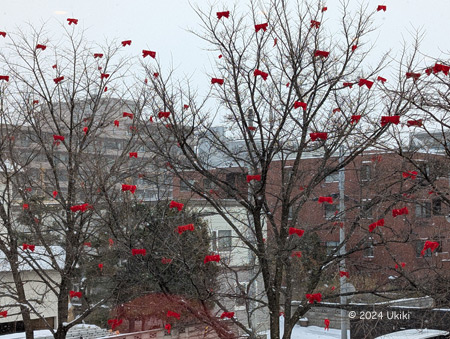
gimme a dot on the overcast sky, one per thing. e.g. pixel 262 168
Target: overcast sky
pixel 162 25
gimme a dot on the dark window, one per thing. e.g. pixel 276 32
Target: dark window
pixel 419 248
pixel 224 240
pixel 368 249
pixel 333 177
pixel 330 211
pixel 423 209
pixel 331 246
pixel 208 184
pixel 365 172
pixel 366 210
pixel 437 206
pixel 184 185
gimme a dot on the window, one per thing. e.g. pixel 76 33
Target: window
pixel 224 240
pixel 423 209
pixel 184 185
pixel 208 184
pixel 366 210
pixel 214 241
pixel 419 248
pixel 368 249
pixel 333 177
pixel 365 172
pixel 437 206
pixel 241 293
pixel 287 173
pixel 330 211
pixel 331 246
pixel 291 213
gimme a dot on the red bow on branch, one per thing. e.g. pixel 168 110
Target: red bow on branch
pixel 403 264
pixel 173 314
pixel 178 205
pixel 325 199
pixel 39 46
pixel 55 194
pixel 185 106
pixel 344 274
pixel 104 76
pixel 85 129
pixel 74 294
pixel 126 42
pixel 168 327
pixel 417 123
pixel 298 104
pixel 324 9
pixel 25 206
pixel 256 177
pixel 3 34
pixel 58 137
pixel 395 119
pixel 208 258
pixel 354 47
pixel 136 251
pixel 146 53
pixel 58 79
pixel 320 135
pixel 28 247
pixel 297 254
pixel 72 21
pixel 133 154
pixel 88 244
pixel 166 261
pixel 297 231
pixel 322 54
pixel 4 77
pixel 100 266
pixel 217 81
pixel 315 23
pixel 432 245
pixel 375 224
pixel 336 110
pixel 381 8
pixel 114 323
pixel 81 208
pixel 348 84
pixel 3 314
pixel 413 75
pixel 98 55
pixel 129 115
pixel 131 188
pixel 263 75
pixel 163 115
pixel 355 119
pixel 228 315
pixel 366 82
pixel 410 174
pixel 251 128
pixel 400 211
pixel 221 15
pixel 156 75
pixel 441 68
pixel 188 227
pixel 314 297
pixel 327 324
pixel 383 80
pixel 261 26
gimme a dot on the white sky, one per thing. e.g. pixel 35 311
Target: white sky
pixel 161 25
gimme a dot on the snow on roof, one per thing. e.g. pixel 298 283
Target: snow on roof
pixel 40 258
pixel 414 334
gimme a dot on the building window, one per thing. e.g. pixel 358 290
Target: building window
pixel 214 241
pixel 423 209
pixel 333 177
pixel 208 184
pixel 291 213
pixel 331 247
pixel 241 293
pixel 419 248
pixel 366 210
pixel 224 240
pixel 185 185
pixel 437 206
pixel 365 172
pixel 368 249
pixel 330 211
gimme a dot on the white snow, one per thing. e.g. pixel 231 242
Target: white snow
pixel 414 334
pixel 21 335
pixel 310 332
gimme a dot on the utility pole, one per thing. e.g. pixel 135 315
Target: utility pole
pixel 342 252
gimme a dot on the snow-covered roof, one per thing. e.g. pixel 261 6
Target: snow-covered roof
pixel 414 334
pixel 40 258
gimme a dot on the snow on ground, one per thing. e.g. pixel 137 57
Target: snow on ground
pixel 311 332
pixel 21 335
